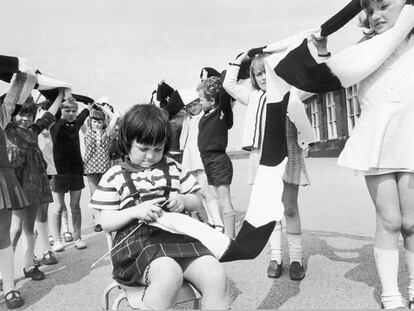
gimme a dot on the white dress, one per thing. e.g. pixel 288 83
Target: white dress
pixel 383 138
pixel 188 141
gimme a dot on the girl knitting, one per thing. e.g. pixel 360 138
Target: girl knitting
pixel 97 144
pixel 30 168
pixel 129 196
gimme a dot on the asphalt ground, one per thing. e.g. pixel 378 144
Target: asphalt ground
pixel 338 221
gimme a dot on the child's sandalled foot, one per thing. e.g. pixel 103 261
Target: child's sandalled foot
pixel 79 244
pixel 34 273
pixel 67 236
pixel 49 258
pixel 57 246
pixel 13 299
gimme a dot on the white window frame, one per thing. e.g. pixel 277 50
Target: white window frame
pixel 331 116
pixel 315 119
pixel 353 110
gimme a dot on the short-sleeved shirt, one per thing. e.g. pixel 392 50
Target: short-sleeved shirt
pixel 113 193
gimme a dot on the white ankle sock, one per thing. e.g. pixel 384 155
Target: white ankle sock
pixel 409 258
pixel 276 243
pixel 213 212
pixel 43 237
pixel 295 247
pixel 7 268
pixel 387 267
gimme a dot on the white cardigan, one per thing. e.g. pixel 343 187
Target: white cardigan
pixel 256 116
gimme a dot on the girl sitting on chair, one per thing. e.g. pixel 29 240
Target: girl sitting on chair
pixel 133 194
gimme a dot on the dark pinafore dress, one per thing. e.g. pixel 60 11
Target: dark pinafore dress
pixel 147 243
pixel 11 193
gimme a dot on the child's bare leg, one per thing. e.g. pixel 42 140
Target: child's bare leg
pixel 56 219
pixel 165 278
pixel 208 275
pixel 41 228
pixel 28 238
pixel 212 208
pixel 384 193
pixel 93 181
pixel 6 252
pixel 16 226
pixel 229 216
pixel 406 195
pixel 76 213
pixel 65 219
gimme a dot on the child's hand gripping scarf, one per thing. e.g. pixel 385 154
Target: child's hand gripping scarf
pixel 265 206
pixel 346 68
pixel 10 65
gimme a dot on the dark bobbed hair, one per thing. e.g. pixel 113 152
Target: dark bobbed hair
pixel 28 108
pixel 148 125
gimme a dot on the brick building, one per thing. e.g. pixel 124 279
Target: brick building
pixel 333 116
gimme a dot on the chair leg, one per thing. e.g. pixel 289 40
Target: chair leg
pixel 121 297
pixel 107 290
pixel 197 304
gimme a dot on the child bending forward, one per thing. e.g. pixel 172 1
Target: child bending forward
pixel 150 256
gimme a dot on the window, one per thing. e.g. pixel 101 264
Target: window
pixel 315 119
pixel 352 107
pixel 331 115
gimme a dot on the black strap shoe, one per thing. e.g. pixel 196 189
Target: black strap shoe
pixel 297 272
pixel 34 273
pixel 274 270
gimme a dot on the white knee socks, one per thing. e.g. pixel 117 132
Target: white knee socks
pixel 7 268
pixel 295 247
pixel 387 267
pixel 276 243
pixel 409 258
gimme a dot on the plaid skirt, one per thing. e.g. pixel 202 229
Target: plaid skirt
pixel 147 243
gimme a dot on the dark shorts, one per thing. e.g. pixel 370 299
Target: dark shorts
pixel 219 169
pixel 67 182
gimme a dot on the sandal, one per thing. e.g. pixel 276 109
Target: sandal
pixel 67 236
pixel 13 299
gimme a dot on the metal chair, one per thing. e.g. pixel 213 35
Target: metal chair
pixel 188 293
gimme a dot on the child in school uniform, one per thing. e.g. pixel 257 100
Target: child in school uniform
pixel 69 167
pixel 129 196
pixel 192 161
pixel 44 140
pixel 30 169
pixel 212 143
